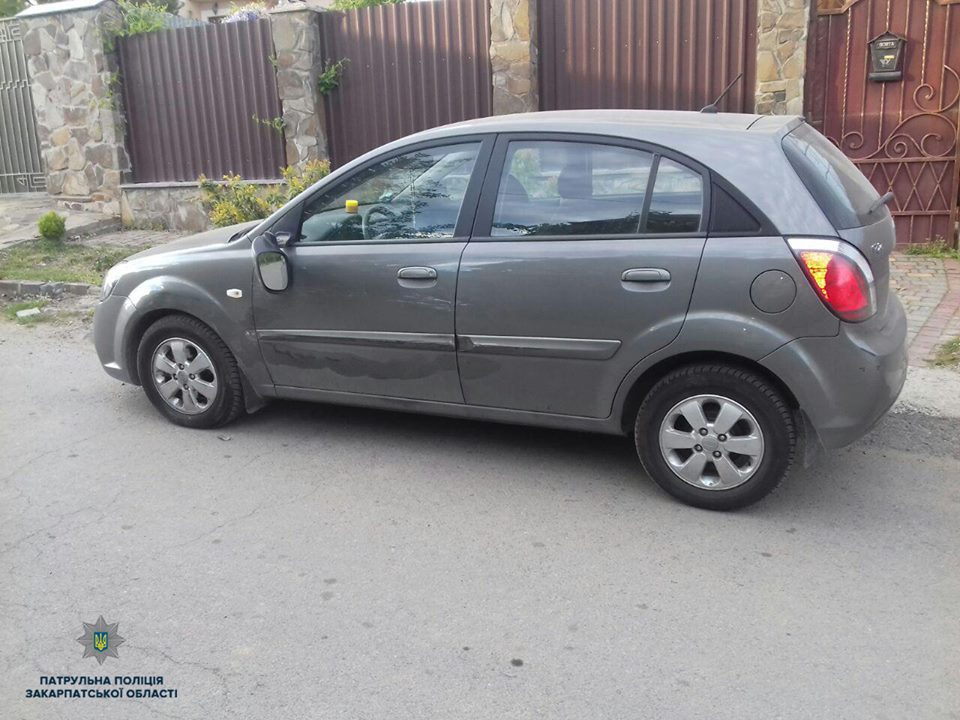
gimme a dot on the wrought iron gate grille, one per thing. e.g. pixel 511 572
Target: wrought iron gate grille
pixel 21 167
pixel 902 135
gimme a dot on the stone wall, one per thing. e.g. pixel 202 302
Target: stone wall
pixel 172 206
pixel 177 206
pixel 75 96
pixel 513 56
pixel 296 39
pixel 782 27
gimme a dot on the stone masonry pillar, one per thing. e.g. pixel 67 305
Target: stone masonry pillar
pixel 296 41
pixel 782 27
pixel 76 97
pixel 513 55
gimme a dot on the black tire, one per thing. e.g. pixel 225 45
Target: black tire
pixel 757 395
pixel 228 403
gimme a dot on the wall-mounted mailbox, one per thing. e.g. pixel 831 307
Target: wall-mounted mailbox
pixel 886 57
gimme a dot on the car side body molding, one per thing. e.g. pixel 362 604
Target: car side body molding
pixel 420 341
pixel 573 348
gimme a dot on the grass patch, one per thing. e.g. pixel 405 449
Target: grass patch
pixel 60 262
pixel 10 311
pixel 936 248
pixel 948 354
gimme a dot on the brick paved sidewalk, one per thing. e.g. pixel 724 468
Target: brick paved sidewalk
pixel 930 291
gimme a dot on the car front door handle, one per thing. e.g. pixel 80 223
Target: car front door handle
pixel 645 275
pixel 417 273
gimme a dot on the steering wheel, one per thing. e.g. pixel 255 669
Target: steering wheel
pixel 366 225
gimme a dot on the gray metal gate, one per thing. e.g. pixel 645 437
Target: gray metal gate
pixel 21 168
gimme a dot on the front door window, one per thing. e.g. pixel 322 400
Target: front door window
pixel 414 196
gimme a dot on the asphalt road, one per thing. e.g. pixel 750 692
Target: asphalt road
pixel 316 561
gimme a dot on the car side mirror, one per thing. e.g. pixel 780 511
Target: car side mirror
pixel 272 264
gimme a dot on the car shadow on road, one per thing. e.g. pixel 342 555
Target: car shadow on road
pixel 602 457
pixel 394 428
pixel 823 487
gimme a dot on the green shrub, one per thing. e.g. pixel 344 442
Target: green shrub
pixel 236 200
pixel 9 8
pixel 246 13
pixel 295 182
pixel 52 226
pixel 329 78
pixel 142 18
pixel 938 248
pixel 138 17
pixel 948 354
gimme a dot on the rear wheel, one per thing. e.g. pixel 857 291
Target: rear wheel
pixel 716 437
pixel 189 374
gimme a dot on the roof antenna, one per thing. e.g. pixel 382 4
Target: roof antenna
pixel 711 109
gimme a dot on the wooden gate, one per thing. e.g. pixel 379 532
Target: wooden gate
pixel 656 54
pixel 902 134
pixel 21 166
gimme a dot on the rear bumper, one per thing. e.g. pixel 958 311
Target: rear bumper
pixel 110 322
pixel 845 384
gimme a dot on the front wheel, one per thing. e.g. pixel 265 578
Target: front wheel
pixel 716 437
pixel 189 374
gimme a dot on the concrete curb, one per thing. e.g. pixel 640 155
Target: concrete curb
pixel 101 227
pixel 46 289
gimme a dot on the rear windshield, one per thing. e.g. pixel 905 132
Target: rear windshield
pixel 843 193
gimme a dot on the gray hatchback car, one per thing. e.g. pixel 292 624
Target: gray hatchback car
pixel 715 285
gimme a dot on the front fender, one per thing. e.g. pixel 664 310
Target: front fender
pixel 231 319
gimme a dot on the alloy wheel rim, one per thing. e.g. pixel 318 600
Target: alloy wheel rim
pixel 711 442
pixel 184 376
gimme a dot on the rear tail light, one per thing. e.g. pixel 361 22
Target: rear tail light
pixel 840 276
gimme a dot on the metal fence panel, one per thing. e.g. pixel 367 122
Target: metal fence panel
pixel 656 54
pixel 21 166
pixel 410 67
pixel 191 95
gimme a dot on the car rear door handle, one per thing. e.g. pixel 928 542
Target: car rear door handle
pixel 645 275
pixel 417 273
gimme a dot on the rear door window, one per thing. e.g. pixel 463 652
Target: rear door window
pixel 557 188
pixel 841 190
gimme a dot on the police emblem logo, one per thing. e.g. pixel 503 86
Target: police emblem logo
pixel 100 640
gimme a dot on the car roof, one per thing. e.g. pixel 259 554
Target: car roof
pixel 620 122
